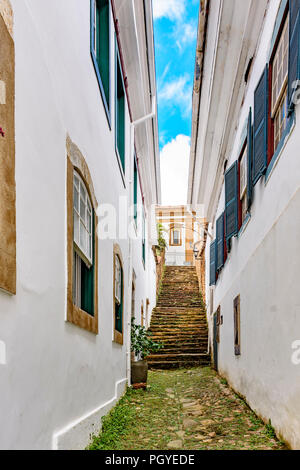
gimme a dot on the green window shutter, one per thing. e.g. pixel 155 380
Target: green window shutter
pixel 294 45
pixel 120 113
pixel 260 150
pixel 87 282
pixel 100 48
pixel 250 156
pixel 231 201
pixel 213 271
pixel 144 239
pixel 135 188
pixel 220 243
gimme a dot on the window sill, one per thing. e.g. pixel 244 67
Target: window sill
pixel 118 338
pixel 244 226
pixel 281 146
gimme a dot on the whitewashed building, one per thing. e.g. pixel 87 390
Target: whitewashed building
pixel 77 79
pixel 245 170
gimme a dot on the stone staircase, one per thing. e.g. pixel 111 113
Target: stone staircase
pixel 179 322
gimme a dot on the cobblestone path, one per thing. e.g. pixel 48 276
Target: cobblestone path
pixel 184 410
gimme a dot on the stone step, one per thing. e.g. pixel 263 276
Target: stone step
pixel 177 364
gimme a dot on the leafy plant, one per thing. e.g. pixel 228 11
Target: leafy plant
pixel 162 244
pixel 141 341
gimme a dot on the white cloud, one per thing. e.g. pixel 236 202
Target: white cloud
pixel 174 161
pixel 178 93
pixel 172 9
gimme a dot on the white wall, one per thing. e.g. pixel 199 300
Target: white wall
pixel 263 268
pixel 59 379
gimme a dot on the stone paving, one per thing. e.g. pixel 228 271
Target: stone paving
pixel 185 410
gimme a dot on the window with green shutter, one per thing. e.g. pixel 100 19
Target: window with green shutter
pixel 144 239
pixel 220 243
pixel 120 113
pixel 135 190
pixel 213 271
pixel 100 48
pixel 260 138
pixel 231 201
pixel 83 222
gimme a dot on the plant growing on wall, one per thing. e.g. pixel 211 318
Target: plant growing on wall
pixel 162 244
pixel 141 341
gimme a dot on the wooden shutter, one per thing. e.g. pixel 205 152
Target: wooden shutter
pixel 231 201
pixel 294 32
pixel 220 243
pixel 213 271
pixel 260 150
pixel 250 156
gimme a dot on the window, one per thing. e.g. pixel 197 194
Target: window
pixel 243 200
pixel 135 191
pixel 82 292
pixel 237 327
pixel 120 113
pixel 83 278
pixel 279 107
pixel 118 296
pixel 144 239
pixel 100 47
pixel 175 236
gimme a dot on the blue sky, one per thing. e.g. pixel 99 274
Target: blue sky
pixel 175 30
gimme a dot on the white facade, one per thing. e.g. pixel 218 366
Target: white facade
pixel 262 266
pixel 57 379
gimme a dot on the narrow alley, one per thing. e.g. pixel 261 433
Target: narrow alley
pixel 184 410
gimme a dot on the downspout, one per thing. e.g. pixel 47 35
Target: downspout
pixel 198 79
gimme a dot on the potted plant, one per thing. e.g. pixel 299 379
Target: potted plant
pixel 142 346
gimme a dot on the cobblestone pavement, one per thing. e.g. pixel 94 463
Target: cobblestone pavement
pixel 184 410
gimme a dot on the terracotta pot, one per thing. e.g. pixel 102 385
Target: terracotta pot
pixel 139 372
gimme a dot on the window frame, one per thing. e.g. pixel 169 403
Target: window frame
pixel 106 103
pixel 243 154
pixel 171 241
pixel 237 325
pixel 273 109
pixel 75 315
pixel 118 337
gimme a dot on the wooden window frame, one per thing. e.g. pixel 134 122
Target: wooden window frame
pixel 118 337
pixel 76 162
pixel 237 325
pixel 8 259
pixel 273 109
pixel 171 241
pixel 106 101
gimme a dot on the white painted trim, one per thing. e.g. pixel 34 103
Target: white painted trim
pixel 76 435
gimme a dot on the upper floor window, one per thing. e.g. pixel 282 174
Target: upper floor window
pixel 243 184
pixel 135 190
pixel 280 67
pixel 120 113
pixel 100 47
pixel 175 237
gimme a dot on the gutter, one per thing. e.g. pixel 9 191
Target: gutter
pixel 198 80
